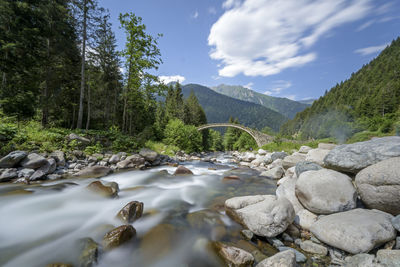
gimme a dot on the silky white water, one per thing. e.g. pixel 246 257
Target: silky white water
pixel 44 227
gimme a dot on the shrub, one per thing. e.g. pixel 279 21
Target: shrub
pixel 186 137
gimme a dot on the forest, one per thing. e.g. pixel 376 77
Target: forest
pixel 365 105
pixel 61 72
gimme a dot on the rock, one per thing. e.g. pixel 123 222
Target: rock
pixel 287 238
pixel 131 212
pixel 264 215
pixel 158 242
pixel 182 170
pixel 118 236
pixel 79 138
pixel 262 152
pixel 33 161
pixel 275 242
pixel 233 256
pixel 12 159
pixel 49 167
pixel 247 234
pixel 148 154
pixel 361 260
pixel 291 172
pixel 54 176
pixel 38 175
pixel 93 172
pixel 59 156
pixel 8 174
pixel 299 256
pixel 397 246
pixel 278 155
pixel 396 222
pixel 114 159
pixel 355 231
pixel 304 166
pixel 293 231
pixel 282 259
pixel 354 157
pixel 326 146
pixel 325 191
pixel 274 173
pixel 101 189
pixel 207 221
pixel 379 185
pixel 248 157
pixel 89 252
pixel 388 258
pixel 91 159
pixel 26 173
pixel 317 155
pixel 305 219
pixel 59 264
pixel 287 189
pixel 304 149
pixel 292 160
pixel 131 162
pixel 313 248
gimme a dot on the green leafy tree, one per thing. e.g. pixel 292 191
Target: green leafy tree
pixel 185 137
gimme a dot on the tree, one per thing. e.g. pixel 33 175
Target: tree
pixel 186 137
pixel 141 55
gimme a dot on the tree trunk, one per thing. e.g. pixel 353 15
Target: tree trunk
pixel 45 104
pixel 88 106
pixel 80 112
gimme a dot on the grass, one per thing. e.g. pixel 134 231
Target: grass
pixel 162 148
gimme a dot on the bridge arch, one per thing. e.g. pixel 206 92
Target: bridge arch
pixel 260 138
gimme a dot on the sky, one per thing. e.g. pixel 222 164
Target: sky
pixel 285 48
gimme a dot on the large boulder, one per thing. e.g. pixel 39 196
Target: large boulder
pixel 264 215
pixel 234 256
pixel 282 259
pixel 304 149
pixel 182 170
pixel 292 160
pixel 379 185
pixel 79 138
pixel 355 231
pixel 354 157
pixel 93 172
pixel 326 191
pixel 148 154
pixel 59 156
pixel 317 155
pixel 8 174
pixel 306 166
pixel 33 161
pixel 132 161
pixel 114 159
pixel 118 236
pixel 388 258
pixel 12 159
pixel 274 173
pixel 278 155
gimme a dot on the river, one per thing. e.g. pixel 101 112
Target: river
pixel 41 224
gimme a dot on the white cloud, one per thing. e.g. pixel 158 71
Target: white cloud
pixel 174 78
pixel 365 25
pixel 264 37
pixel 212 10
pixel 195 15
pixel 122 70
pixel 249 85
pixel 370 50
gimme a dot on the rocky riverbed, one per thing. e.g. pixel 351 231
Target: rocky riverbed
pixel 329 206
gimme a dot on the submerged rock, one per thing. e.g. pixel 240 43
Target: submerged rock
pixel 131 212
pixel 264 215
pixel 233 256
pixel 379 185
pixel 282 259
pixel 93 172
pixel 355 157
pixel 99 188
pixel 355 231
pixel 118 236
pixel 89 252
pixel 12 159
pixel 182 170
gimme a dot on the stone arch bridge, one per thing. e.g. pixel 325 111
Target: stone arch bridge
pixel 260 138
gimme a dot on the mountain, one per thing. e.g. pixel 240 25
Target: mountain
pixel 368 100
pixel 307 101
pixel 285 106
pixel 219 108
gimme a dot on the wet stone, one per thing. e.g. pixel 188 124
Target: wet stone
pixel 101 189
pixel 89 252
pixel 118 236
pixel 181 170
pixel 131 212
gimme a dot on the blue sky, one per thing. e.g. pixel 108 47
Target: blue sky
pixel 291 48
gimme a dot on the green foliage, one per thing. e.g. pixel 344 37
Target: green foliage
pixel 97 148
pixel 245 142
pixel 368 101
pixel 185 137
pixel 162 148
pixel 364 136
pixel 215 141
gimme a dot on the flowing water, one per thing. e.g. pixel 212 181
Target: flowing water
pixel 41 224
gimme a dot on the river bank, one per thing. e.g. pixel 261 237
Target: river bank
pixel 244 207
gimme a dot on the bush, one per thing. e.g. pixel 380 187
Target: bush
pixel 245 142
pixel 186 137
pixel 162 148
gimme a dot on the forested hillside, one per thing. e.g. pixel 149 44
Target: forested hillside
pixel 368 100
pixel 285 106
pixel 219 108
